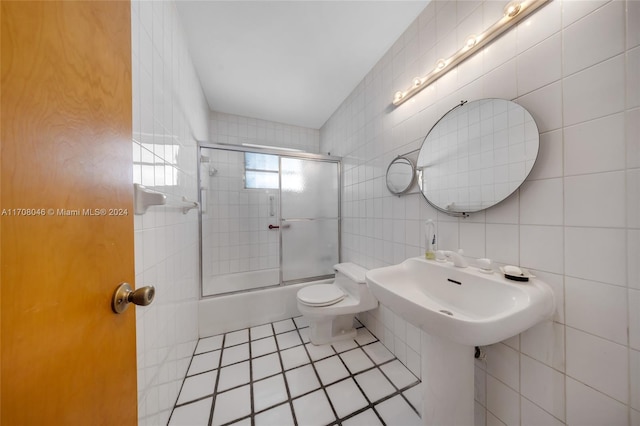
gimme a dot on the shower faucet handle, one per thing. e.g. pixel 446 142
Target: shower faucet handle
pixel 273 227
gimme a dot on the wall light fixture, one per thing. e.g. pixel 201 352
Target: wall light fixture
pixel 513 13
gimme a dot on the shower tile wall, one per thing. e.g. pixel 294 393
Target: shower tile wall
pixel 169 113
pixel 236 130
pixel 235 225
pixel 575 65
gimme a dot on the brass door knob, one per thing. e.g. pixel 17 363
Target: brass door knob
pixel 124 295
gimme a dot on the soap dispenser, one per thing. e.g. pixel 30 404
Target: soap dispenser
pixel 430 239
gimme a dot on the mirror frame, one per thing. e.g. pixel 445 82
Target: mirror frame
pixel 401 159
pixel 467 213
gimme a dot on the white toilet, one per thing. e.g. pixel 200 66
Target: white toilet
pixel 331 308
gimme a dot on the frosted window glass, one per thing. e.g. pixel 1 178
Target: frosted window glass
pixel 261 171
pixel 309 189
pixel 309 248
pixel 253 161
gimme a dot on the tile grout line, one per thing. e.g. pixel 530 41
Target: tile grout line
pixel 215 388
pixel 284 376
pixel 251 403
pixel 275 374
pixel 183 381
pixel 313 366
pixel 398 390
pixel 251 415
pixel 352 376
pixel 375 366
pixel 335 352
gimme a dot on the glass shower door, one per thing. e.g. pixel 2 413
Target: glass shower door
pixel 240 199
pixel 309 218
pixel 267 218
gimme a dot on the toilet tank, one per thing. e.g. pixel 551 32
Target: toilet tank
pixel 351 278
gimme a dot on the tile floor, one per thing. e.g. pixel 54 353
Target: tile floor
pixel 272 375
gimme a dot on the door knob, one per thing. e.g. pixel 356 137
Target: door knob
pixel 124 295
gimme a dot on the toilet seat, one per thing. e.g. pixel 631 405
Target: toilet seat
pixel 320 295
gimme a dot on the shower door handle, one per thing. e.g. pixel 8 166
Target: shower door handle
pixel 277 227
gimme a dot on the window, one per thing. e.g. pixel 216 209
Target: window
pixel 261 171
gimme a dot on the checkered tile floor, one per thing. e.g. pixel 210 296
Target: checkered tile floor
pixel 272 375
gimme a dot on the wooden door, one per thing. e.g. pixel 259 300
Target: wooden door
pixel 67 220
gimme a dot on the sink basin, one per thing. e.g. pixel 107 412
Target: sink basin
pixel 464 305
pixel 458 308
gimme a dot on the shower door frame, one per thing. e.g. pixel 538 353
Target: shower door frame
pixel 280 152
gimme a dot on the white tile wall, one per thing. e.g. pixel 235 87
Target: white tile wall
pixel 502 363
pixel 584 100
pixel 584 47
pixel 543 386
pixel 634 319
pixel 597 308
pixel 236 130
pixel 596 253
pixel 575 221
pixel 533 415
pixel 169 113
pixel 584 150
pixel 586 405
pixel 533 71
pixel 591 200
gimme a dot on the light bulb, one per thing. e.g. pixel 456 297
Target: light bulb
pixel 512 9
pixel 397 96
pixel 440 64
pixel 417 82
pixel 471 41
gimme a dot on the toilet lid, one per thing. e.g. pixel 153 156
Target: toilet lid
pixel 320 295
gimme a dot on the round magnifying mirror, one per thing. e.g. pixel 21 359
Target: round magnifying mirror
pixel 477 155
pixel 401 174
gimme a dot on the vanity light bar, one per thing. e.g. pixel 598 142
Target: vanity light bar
pixel 513 13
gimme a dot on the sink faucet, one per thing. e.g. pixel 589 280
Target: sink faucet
pixel 456 258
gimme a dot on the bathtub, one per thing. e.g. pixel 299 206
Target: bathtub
pixel 241 281
pixel 221 314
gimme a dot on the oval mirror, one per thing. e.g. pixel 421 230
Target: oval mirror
pixel 401 174
pixel 477 155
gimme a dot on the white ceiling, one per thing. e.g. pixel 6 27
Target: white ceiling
pixel 291 62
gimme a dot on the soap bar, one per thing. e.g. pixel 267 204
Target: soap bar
pixel 514 273
pixel 512 270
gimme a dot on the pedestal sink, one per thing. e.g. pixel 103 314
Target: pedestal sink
pixel 458 308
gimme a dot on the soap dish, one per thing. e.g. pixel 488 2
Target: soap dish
pixel 522 277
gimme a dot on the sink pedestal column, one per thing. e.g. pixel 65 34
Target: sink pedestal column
pixel 447 380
